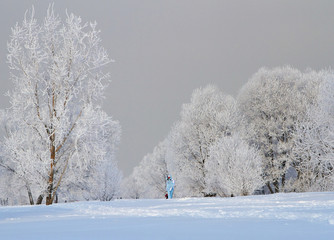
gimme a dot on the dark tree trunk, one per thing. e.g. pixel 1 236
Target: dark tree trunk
pixel 269 187
pixel 31 199
pixel 283 181
pixel 49 198
pixel 276 184
pixel 39 199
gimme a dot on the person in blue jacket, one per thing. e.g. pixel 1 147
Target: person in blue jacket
pixel 170 186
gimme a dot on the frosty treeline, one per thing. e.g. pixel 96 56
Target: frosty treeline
pixel 59 144
pixel 277 135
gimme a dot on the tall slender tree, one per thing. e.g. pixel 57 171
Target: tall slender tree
pixel 53 139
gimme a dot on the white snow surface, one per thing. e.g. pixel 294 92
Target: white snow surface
pixel 279 216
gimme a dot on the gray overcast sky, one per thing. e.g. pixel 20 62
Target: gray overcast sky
pixel 164 49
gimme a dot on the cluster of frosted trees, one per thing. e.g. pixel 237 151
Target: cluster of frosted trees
pixel 59 144
pixel 276 136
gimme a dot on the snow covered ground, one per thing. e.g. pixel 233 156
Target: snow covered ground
pixel 280 216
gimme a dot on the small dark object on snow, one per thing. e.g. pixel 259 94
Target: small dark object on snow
pixel 166 195
pixel 210 194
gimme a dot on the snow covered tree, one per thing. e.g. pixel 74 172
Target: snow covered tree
pixel 273 102
pixel 102 180
pixel 129 188
pixel 149 177
pixel 314 143
pixel 57 133
pixel 209 116
pixel 234 167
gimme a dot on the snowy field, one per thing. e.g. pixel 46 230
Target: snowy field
pixel 280 216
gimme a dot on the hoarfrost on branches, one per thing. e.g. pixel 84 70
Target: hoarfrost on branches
pixel 148 178
pixel 57 134
pixel 273 102
pixel 208 116
pixel 235 167
pixel 313 153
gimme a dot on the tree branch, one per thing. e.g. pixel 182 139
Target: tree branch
pixel 69 132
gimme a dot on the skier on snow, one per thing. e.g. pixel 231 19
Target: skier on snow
pixel 170 186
